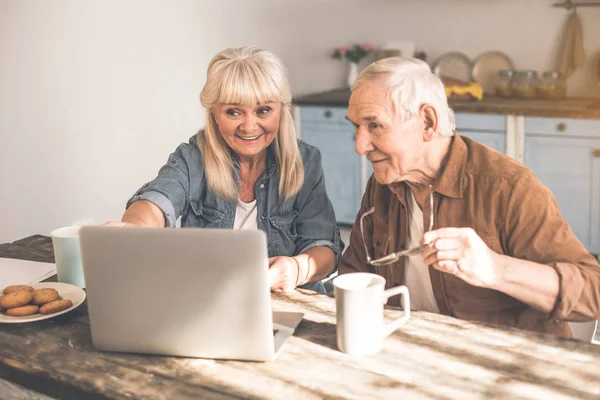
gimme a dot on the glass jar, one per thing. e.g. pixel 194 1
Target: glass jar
pixel 552 86
pixel 525 84
pixel 504 83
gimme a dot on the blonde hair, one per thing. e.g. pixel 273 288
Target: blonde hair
pixel 248 76
pixel 411 84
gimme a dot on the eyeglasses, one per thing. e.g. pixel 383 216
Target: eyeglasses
pixel 392 258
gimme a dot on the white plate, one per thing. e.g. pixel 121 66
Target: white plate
pixel 486 68
pixel 65 290
pixel 453 65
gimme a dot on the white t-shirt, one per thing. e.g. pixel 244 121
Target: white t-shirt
pixel 245 216
pixel 416 274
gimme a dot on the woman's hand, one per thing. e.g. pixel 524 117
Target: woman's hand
pixel 461 252
pixel 283 273
pixel 118 223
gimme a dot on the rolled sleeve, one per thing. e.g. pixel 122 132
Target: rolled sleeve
pixel 578 292
pixel 159 200
pixel 540 234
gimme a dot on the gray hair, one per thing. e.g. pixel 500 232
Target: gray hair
pixel 411 84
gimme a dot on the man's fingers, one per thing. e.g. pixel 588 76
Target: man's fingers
pixel 444 255
pixel 448 244
pixel 456 233
pixel 452 255
pixel 448 266
pixel 430 253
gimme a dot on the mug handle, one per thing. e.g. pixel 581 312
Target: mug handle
pixel 390 327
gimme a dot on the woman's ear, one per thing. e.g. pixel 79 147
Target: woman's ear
pixel 429 116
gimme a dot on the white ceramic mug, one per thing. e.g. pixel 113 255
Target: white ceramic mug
pixel 359 300
pixel 67 254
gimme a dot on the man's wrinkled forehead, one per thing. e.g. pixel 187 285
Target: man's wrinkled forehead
pixel 369 98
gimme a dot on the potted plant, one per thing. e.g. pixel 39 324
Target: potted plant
pixel 353 54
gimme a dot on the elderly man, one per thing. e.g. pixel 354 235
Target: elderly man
pixel 494 246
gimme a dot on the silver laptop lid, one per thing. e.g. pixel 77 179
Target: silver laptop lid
pixel 183 292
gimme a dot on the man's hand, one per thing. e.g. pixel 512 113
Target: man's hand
pixel 461 252
pixel 283 273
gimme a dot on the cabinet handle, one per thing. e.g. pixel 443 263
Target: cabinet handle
pixel 596 153
pixel 327 114
pixel 561 127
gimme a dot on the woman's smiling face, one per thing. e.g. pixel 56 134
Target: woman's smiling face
pixel 248 130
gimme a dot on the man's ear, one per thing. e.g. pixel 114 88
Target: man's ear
pixel 429 116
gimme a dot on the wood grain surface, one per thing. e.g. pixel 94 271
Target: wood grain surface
pixel 432 356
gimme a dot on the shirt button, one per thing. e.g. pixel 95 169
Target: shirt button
pixel 262 185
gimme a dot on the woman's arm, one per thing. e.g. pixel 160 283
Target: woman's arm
pixel 285 273
pixel 144 213
pixel 141 213
pixel 318 242
pixel 315 264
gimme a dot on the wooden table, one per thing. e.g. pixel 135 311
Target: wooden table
pixel 433 356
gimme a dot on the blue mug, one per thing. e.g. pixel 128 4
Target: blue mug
pixel 67 254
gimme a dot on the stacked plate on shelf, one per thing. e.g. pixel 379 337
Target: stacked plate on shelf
pixel 484 70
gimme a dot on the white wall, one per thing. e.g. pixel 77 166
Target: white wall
pixel 94 95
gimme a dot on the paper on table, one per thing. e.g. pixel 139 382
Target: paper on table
pixel 21 272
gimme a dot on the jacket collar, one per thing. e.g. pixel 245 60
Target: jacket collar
pixel 451 181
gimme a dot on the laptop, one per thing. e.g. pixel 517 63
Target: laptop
pixel 182 292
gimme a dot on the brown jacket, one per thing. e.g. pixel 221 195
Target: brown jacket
pixel 514 214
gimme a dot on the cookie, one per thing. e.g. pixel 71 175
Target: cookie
pixel 55 306
pixel 22 311
pixel 16 299
pixel 17 288
pixel 43 296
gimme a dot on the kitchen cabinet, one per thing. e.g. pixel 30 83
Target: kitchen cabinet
pixel 565 155
pixel 327 129
pixel 487 129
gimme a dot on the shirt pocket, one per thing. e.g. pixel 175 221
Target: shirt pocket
pixel 380 244
pixel 283 228
pixel 203 215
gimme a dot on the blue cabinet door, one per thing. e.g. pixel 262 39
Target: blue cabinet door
pixel 495 140
pixel 489 129
pixel 568 167
pixel 341 164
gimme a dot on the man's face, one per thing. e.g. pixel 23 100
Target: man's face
pixel 393 146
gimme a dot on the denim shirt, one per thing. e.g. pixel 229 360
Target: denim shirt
pixel 304 221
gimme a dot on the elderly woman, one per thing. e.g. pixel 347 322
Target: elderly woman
pixel 247 170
